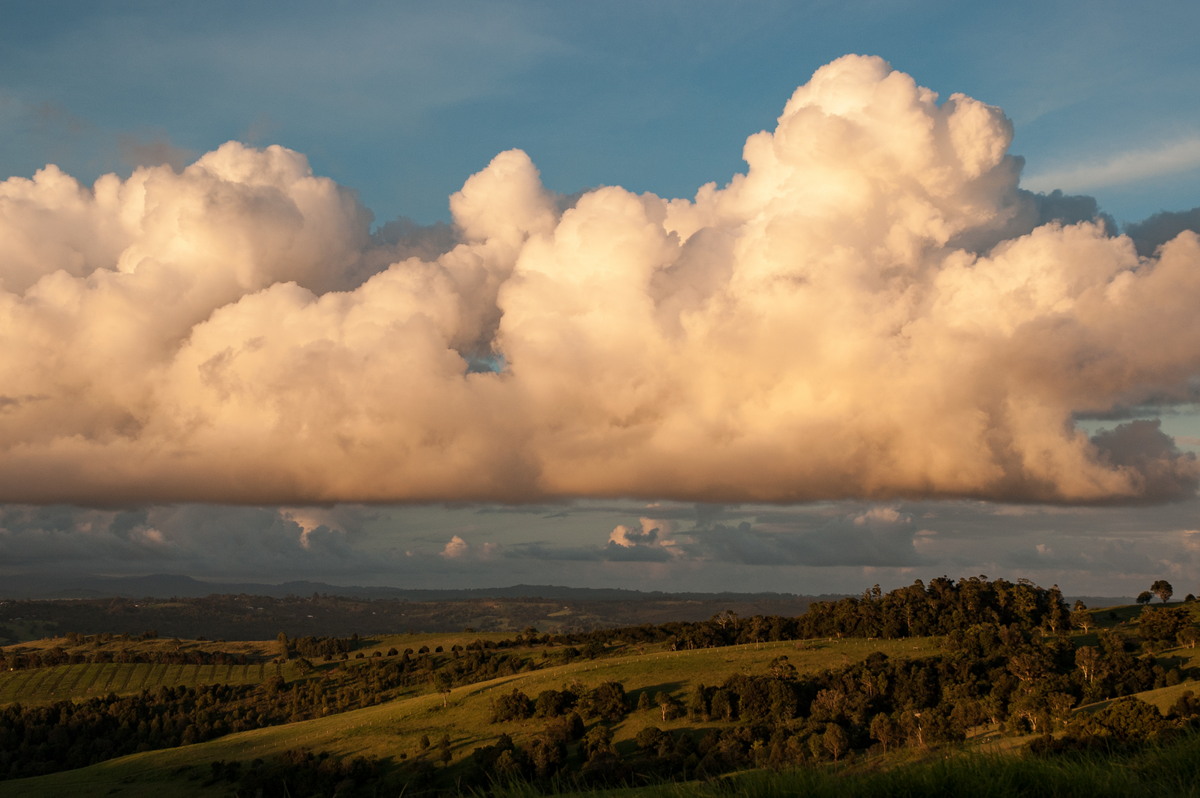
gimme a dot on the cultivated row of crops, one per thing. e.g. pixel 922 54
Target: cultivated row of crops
pixel 39 685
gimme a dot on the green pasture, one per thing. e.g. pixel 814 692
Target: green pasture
pixel 60 682
pixel 1170 770
pixel 395 728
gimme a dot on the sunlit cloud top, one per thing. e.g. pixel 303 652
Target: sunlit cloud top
pixel 873 308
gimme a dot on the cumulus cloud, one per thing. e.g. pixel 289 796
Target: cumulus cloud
pixel 201 539
pixel 649 532
pixel 650 541
pixel 880 515
pixel 456 547
pixel 1150 234
pixel 873 309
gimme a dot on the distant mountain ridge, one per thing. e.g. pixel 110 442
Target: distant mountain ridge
pixel 182 586
pixel 45 586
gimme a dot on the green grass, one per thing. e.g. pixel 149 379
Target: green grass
pixel 392 729
pixel 1164 697
pixel 1170 770
pixel 24 630
pixel 60 682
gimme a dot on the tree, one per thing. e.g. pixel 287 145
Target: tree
pixel 1088 660
pixel 511 706
pixel 443 684
pixel 1031 665
pixel 1162 624
pixel 722 707
pixel 598 742
pixel 1162 588
pixel 835 740
pixel 698 703
pixel 780 668
pixel 606 701
pixel 1126 719
pixel 884 730
pixel 667 703
pixel 1144 597
pixel 546 755
pixel 1081 617
pixel 1030 709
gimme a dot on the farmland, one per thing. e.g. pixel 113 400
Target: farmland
pixel 816 702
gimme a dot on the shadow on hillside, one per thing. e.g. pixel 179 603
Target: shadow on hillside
pixel 654 689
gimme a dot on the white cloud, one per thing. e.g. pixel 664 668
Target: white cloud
pixel 1181 155
pixel 456 548
pixel 649 532
pixel 826 325
pixel 881 515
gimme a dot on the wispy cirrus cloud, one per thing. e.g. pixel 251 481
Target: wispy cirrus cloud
pixel 1180 155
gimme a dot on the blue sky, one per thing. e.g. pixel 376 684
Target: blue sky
pixel 403 102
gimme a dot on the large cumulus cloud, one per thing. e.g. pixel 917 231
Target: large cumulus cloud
pixel 873 309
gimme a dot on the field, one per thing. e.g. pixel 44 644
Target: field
pixel 394 729
pixel 44 685
pixel 422 726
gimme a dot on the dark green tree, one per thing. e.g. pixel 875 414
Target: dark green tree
pixel 835 740
pixel 667 703
pixel 443 684
pixel 1081 617
pixel 1162 588
pixel 698 703
pixel 884 730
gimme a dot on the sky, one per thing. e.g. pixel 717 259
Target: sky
pixel 800 296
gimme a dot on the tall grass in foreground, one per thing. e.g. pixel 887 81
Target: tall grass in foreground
pixel 1171 770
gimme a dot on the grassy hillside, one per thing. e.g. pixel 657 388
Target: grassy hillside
pixel 1162 771
pixel 394 729
pixel 59 682
pixel 955 708
pixel 44 685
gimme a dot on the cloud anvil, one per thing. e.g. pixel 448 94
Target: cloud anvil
pixel 873 309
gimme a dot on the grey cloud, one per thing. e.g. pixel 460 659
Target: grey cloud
pixel 835 543
pixel 1071 209
pixel 1142 447
pixel 1152 233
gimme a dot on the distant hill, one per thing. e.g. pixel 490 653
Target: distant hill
pixel 1096 602
pixel 181 606
pixel 47 586
pixel 50 586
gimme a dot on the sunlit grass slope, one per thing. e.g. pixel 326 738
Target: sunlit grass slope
pixel 394 729
pixel 60 682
